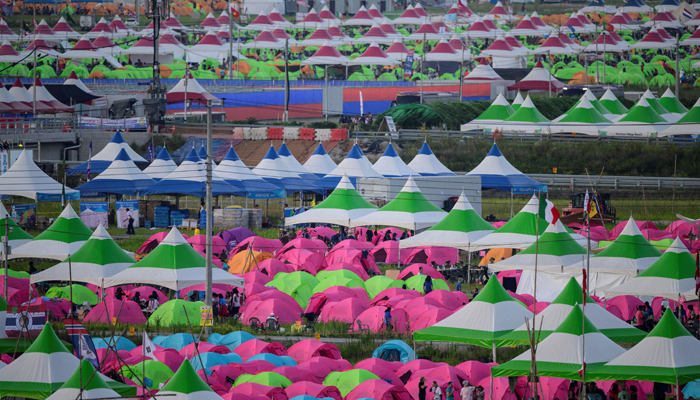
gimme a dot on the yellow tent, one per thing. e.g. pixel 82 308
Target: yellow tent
pixel 246 261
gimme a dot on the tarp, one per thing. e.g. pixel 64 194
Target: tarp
pixel 497 173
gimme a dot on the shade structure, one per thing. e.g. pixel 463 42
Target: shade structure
pixel 374 55
pixel 313 20
pixel 409 210
pixel 169 42
pixel 6 32
pixel 527 118
pixel 652 40
pixel 556 313
pixel 74 81
pixel 499 12
pixel 497 173
pixel 44 32
pixel 426 164
pixel 375 13
pixel 483 72
pixel 620 23
pixel 554 45
pixel 458 229
pixel 553 250
pixel 582 118
pixel 17 236
pixel 43 95
pixel 669 354
pixel 492 117
pixel 320 163
pixel 84 383
pixel 190 178
pixel 502 49
pixel 173 264
pixel 9 54
pixel 605 43
pixel 491 314
pixel 210 47
pixel 103 26
pixel 260 23
pixel 562 353
pixel 409 17
pixel 98 258
pixel 232 170
pixel 188 89
pixel 44 367
pixel 187 385
pixel 319 37
pixel 612 104
pixel 355 165
pixel 162 166
pixel 538 79
pixel 278 19
pixel 361 18
pixel 659 108
pixel 629 254
pixel 210 22
pixel 426 32
pixel 398 50
pixel 669 101
pixel 336 33
pixel 275 170
pixel 265 40
pixel 671 276
pixel 64 237
pixel 100 161
pixel 326 55
pixel 121 177
pixel 664 18
pixel 640 120
pixel 689 124
pixel 294 166
pixel 527 28
pixel 375 34
pixel 444 52
pixel 341 207
pixel 391 165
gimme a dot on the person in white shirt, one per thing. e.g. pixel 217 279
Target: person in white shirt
pixel 437 391
pixel 467 392
pixel 130 222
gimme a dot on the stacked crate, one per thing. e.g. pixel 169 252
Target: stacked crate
pixel 230 217
pixel 176 217
pixel 161 216
pixel 255 218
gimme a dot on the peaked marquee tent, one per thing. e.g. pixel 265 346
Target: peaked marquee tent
pixel 64 237
pixel 121 177
pixel 17 236
pixel 391 165
pixel 232 170
pixel 355 165
pixel 162 166
pixel 100 161
pixel 320 163
pixel 497 173
pixel 426 164
pixel 85 384
pixel 25 179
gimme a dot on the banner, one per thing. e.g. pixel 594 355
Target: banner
pixel 27 321
pixel 122 208
pixel 4 161
pixel 24 214
pixel 273 194
pixel 124 123
pixel 94 214
pixel 57 197
pixel 408 67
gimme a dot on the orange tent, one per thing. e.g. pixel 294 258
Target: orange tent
pixel 579 78
pixel 496 254
pixel 97 75
pixel 245 68
pixel 246 261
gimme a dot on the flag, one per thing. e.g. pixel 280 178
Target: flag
pixel 582 370
pixel 510 10
pixel 81 340
pixel 362 105
pixel 234 12
pixel 89 162
pixel 586 205
pixel 148 346
pixel 150 151
pixel 593 205
pixel 303 3
pixel 687 14
pixel 585 286
pixel 408 65
pixel 572 28
pixel 25 321
pixel 548 211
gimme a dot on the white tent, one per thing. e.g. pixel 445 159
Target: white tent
pixel 426 164
pixel 320 163
pixel 391 165
pixel 25 179
pixel 355 165
pixel 64 237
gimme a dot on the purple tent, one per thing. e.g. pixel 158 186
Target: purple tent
pixel 234 236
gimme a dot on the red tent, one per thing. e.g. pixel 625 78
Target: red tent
pixel 126 312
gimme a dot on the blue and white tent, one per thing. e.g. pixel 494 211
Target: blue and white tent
pixel 634 6
pixel 667 5
pixel 497 173
pixel 104 158
pixel 391 165
pixel 121 177
pixel 202 153
pixel 232 170
pixel 190 178
pixel 395 350
pixel 320 163
pixel 162 166
pixel 355 165
pixel 426 164
pixel 295 166
pixel 274 169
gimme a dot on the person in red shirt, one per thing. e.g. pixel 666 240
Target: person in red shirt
pixel 639 319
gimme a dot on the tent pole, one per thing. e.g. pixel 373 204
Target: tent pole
pixel 511 202
pixel 209 219
pixel 494 360
pixel 678 387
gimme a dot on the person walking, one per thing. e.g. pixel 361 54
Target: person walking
pixel 437 391
pixel 130 222
pixel 450 392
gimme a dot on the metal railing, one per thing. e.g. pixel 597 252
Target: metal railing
pixel 616 182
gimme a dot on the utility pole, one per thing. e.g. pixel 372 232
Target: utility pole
pixel 209 219
pixel 678 71
pixel 286 80
pixel 230 41
pixel 156 92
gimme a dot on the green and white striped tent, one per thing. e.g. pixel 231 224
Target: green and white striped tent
pixel 671 276
pixel 659 108
pixel 669 101
pixel 100 257
pixel 64 237
pixel 458 229
pixel 85 378
pixel 688 125
pixel 521 231
pixel 612 104
pixel 554 250
pixel 630 254
pixel 187 385
pixel 582 118
pixel 551 317
pixel 527 118
pixel 561 354
pixel 339 208
pixel 409 210
pixel 669 354
pixel 518 101
pixel 641 120
pixel 498 111
pixel 173 264
pixel 17 237
pixel 43 368
pixel 492 314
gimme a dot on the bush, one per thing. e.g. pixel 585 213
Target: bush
pixel 322 125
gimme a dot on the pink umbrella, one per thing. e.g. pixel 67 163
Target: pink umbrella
pixel 386 252
pixel 314 390
pixel 431 254
pixel 541 305
pixel 346 310
pixel 379 390
pixel 232 371
pixel 257 366
pixel 255 389
pixel 258 244
pixel 126 312
pixel 386 374
pixel 374 318
pixel 407 370
pixel 203 347
pixel 304 260
pixel 255 277
pixel 475 370
pixel 356 268
pixel 250 288
pixel 252 347
pixel 417 303
pixel 305 349
pixel 316 246
pixel 368 362
pixel 429 318
pixel 145 291
pixel 415 270
pixel 272 266
pixel 199 242
pixel 389 293
pixel 446 298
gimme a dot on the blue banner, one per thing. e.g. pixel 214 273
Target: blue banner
pixel 408 68
pixel 273 194
pixel 24 214
pixel 57 197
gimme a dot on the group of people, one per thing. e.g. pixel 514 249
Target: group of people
pixel 148 306
pixel 468 391
pixel 644 317
pixel 223 306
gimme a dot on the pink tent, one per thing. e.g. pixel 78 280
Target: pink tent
pixel 257 366
pixel 305 349
pixel 374 318
pixel 287 312
pixel 642 225
pixel 428 255
pixel 554 388
pixel 201 288
pixel 313 390
pixel 317 370
pixel 376 239
pixel 252 347
pixel 254 287
pixel 304 260
pixel 203 347
pixel 139 350
pixel 153 241
pixel 145 291
pixel 58 308
pixel 220 373
pixel 447 299
pixel 359 270
pixel 415 270
pixel 318 231
pixel 475 370
pixel 21 293
pixel 412 305
pixel 126 312
pixel 510 274
pixel 346 310
pixel 353 256
pixel 498 224
pixel 199 242
pixel 333 294
pixel 315 246
pixel 395 301
pixel 258 244
pixel 407 370
pixel 627 305
pixel 255 277
pixel 360 243
pixel 643 388
pixel 672 304
pixel 447 372
pixel 390 293
pixel 379 390
pixel 255 389
pixel 416 312
pixel 598 233
pixel 295 374
pixel 110 360
pixel 429 318
pixel 272 266
pixel 270 294
pixel 501 390
pixel 615 311
pixel 412 386
pixel 541 305
pixel 369 362
pixel 110 291
pixel 387 252
pixel 527 299
pixel 681 227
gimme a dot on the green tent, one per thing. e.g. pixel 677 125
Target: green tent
pixel 266 378
pixel 298 277
pixel 387 77
pixel 376 284
pixel 156 371
pixel 14 274
pixel 416 283
pixel 301 292
pixel 85 378
pixel 338 281
pixel 358 76
pixel 348 380
pixel 81 294
pixel 187 385
pixel 341 273
pixel 669 101
pixel 173 313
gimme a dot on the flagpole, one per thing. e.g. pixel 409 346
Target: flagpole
pixel 143 364
pixel 533 350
